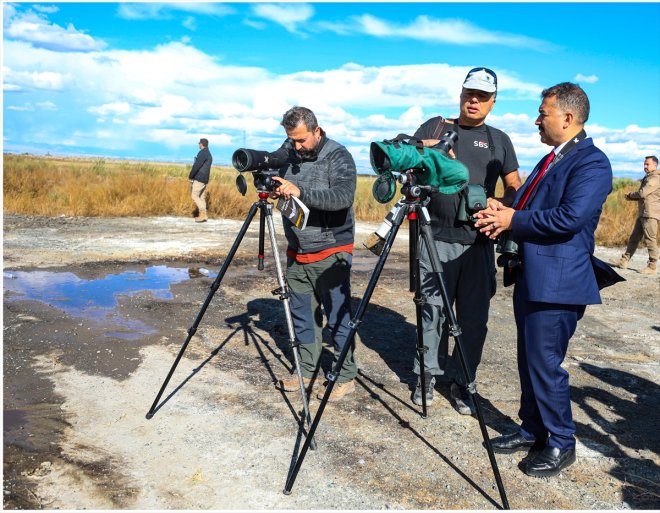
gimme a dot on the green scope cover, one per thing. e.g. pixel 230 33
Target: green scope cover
pixel 430 165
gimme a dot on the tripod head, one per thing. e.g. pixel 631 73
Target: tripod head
pixel 263 182
pixel 411 189
pixel 262 164
pixel 414 196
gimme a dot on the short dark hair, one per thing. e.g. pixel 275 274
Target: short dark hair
pixel 296 115
pixel 653 158
pixel 204 142
pixel 570 97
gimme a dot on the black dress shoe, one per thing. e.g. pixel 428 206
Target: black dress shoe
pixel 507 444
pixel 549 462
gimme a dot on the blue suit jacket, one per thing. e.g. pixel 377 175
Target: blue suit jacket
pixel 555 233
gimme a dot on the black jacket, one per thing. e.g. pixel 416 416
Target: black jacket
pixel 201 169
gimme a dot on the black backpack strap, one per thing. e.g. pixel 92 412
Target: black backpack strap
pixel 491 143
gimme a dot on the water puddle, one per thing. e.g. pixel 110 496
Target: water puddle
pixel 13 419
pixel 97 299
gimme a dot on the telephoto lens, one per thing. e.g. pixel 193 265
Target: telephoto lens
pixel 249 160
pixel 244 159
pixel 446 143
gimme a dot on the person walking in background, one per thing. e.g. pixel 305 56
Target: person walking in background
pixel 553 222
pixel 467 257
pixel 199 178
pixel 322 174
pixel 648 217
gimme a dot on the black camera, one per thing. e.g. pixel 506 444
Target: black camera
pixel 262 164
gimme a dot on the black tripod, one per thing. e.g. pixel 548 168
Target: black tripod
pixel 266 214
pixel 412 205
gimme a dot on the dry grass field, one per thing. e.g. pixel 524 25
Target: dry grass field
pixel 52 186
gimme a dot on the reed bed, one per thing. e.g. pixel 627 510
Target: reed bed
pixel 50 186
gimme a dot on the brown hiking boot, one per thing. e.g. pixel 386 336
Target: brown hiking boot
pixel 201 218
pixel 291 384
pixel 338 391
pixel 650 269
pixel 621 263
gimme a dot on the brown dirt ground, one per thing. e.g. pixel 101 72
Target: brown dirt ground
pixel 76 390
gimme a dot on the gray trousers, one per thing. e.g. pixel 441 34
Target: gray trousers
pixel 312 286
pixel 468 272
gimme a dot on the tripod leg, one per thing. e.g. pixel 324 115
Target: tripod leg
pixel 419 300
pixel 455 331
pixel 283 292
pixel 413 241
pixel 214 287
pixel 260 256
pixel 332 376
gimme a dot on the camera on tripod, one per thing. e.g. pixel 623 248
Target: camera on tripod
pixel 262 164
pixel 432 167
pixel 420 170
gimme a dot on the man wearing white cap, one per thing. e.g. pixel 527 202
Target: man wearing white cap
pixel 467 256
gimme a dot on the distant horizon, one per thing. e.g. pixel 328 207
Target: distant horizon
pixel 144 81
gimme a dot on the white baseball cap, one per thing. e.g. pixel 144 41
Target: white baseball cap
pixel 481 79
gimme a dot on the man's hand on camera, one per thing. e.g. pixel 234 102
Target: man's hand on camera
pixel 428 143
pixel 494 219
pixel 286 189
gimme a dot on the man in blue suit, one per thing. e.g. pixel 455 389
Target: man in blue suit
pixel 553 220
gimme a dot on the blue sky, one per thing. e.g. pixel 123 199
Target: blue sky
pixel 147 80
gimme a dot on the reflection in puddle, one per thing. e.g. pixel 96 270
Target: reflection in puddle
pixel 95 299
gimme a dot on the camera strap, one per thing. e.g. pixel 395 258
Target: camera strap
pixel 491 148
pixel 406 139
pixel 566 149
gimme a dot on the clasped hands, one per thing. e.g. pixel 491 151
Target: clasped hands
pixel 494 219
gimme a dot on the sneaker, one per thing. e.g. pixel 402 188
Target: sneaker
pixel 430 383
pixel 291 384
pixel 621 263
pixel 338 391
pixel 463 402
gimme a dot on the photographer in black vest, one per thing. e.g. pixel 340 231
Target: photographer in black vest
pixel 467 256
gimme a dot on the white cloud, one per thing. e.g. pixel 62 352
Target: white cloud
pixel 28 80
pixel 142 11
pixel 158 11
pixel 425 28
pixel 26 108
pixel 48 9
pixel 590 79
pixel 111 109
pixel 35 29
pixel 287 15
pixel 190 23
pixel 46 106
